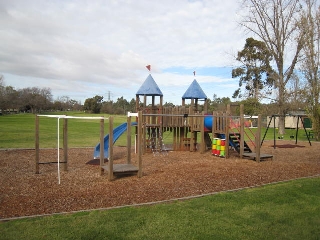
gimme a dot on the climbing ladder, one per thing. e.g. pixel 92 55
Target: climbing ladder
pixel 155 142
pixel 234 141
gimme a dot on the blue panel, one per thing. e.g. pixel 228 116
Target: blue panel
pixel 194 92
pixel 149 88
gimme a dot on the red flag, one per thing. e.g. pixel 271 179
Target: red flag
pixel 149 67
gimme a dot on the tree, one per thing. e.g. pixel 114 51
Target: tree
pixel 121 106
pixel 2 87
pixel 35 99
pixel 310 25
pixel 107 107
pixel 255 72
pixel 93 104
pixel 296 94
pixel 217 103
pixel 275 22
pixel 132 105
pixel 74 104
pixel 168 104
pixel 251 106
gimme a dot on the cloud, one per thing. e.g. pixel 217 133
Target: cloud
pixel 90 45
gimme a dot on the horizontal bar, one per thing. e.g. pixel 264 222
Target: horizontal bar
pixel 50 162
pixel 65 116
pixel 86 117
pixel 174 115
pixel 52 116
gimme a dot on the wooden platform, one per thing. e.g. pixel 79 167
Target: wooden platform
pixel 122 169
pixel 253 155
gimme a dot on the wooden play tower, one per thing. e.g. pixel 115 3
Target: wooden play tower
pixel 184 122
pixel 192 127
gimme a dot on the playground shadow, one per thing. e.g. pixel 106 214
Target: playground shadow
pixel 287 146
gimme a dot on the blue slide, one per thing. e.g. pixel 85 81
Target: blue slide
pixel 117 132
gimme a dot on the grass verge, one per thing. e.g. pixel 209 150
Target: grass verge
pixel 289 210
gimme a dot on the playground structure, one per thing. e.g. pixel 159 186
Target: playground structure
pixel 188 125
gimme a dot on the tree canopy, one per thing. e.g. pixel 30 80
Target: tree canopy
pixel 255 72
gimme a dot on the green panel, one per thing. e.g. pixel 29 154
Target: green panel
pixel 307 123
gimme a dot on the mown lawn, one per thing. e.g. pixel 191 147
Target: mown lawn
pixel 289 210
pixel 18 131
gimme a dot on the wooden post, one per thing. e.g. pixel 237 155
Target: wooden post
pixel 143 140
pixel 191 123
pixel 139 144
pixel 192 105
pixel 101 146
pixel 161 111
pixel 128 140
pixel 205 106
pixel 229 109
pixel 37 143
pixel 137 103
pixel 214 124
pixel 182 137
pixel 153 118
pixel 227 129
pixel 258 141
pixel 203 143
pixel 274 131
pixel 110 151
pixel 241 131
pixel 65 144
pixel 175 139
pixel 196 105
pixel 144 101
pixel 161 103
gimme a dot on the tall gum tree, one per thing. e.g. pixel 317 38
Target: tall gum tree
pixel 310 64
pixel 255 71
pixel 275 22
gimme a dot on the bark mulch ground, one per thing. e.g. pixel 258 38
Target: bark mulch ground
pixel 176 175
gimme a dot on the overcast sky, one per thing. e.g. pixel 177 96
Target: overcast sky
pixel 83 48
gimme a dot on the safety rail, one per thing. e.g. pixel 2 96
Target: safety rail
pixel 234 125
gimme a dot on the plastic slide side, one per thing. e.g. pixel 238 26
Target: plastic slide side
pixel 208 122
pixel 117 132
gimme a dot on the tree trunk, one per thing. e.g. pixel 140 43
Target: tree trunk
pixel 316 121
pixel 281 101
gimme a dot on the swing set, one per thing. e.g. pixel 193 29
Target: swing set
pixel 273 117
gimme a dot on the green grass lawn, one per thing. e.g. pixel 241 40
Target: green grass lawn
pixel 289 210
pixel 18 131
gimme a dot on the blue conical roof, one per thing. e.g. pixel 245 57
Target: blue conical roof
pixel 149 88
pixel 194 92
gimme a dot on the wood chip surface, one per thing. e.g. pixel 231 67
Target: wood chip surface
pixel 176 175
